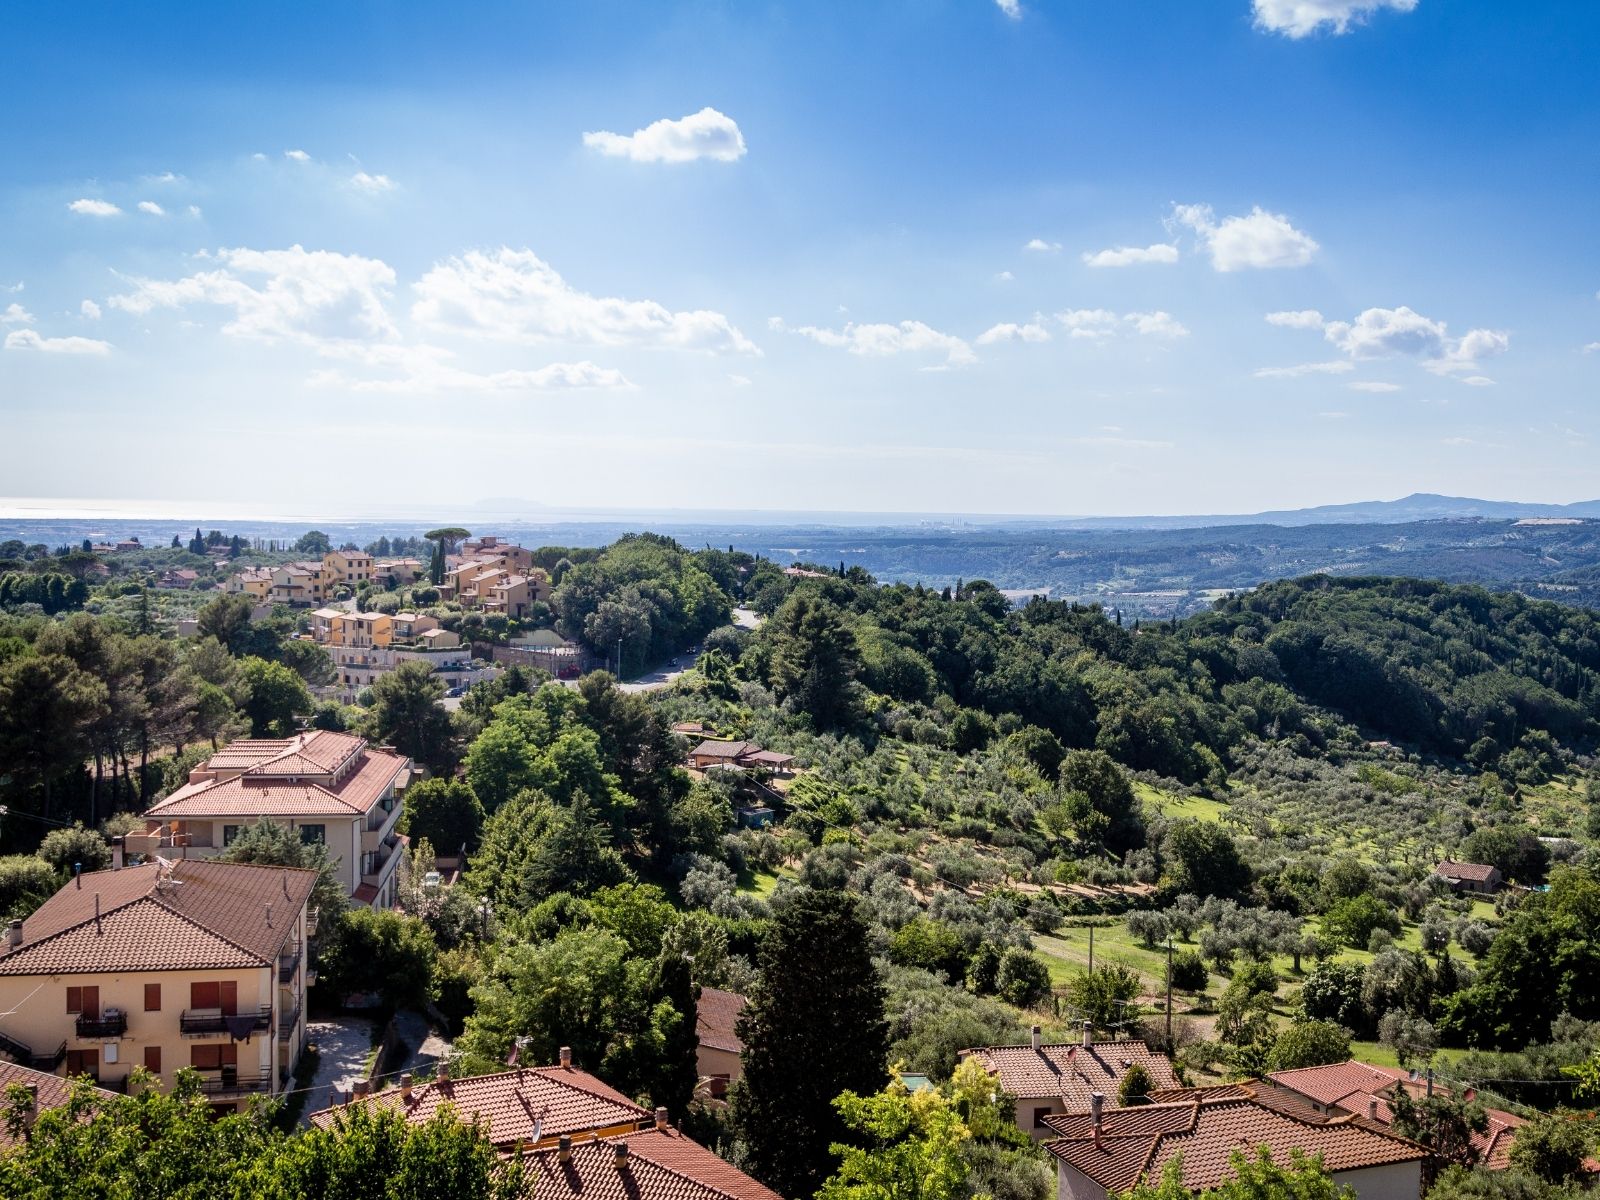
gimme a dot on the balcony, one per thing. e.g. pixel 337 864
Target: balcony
pixel 288 1021
pixel 287 965
pixel 373 861
pixel 24 1055
pixel 228 1080
pixel 201 1022
pixel 113 1023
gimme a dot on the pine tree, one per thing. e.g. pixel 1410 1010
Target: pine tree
pixel 814 1028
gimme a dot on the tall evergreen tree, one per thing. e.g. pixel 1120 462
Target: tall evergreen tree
pixel 814 1028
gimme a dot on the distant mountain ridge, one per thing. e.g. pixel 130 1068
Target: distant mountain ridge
pixel 1419 506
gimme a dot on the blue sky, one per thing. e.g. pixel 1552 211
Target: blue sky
pixel 1050 256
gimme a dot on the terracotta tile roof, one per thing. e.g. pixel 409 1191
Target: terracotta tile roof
pixel 1476 872
pixel 1073 1072
pixel 539 1102
pixel 715 1018
pixel 713 749
pixel 207 916
pixel 1335 1081
pixel 53 1091
pixel 663 1164
pixel 272 785
pixel 1139 1142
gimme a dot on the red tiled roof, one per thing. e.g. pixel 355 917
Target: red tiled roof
pixel 53 1091
pixel 662 1164
pixel 1071 1072
pixel 715 1018
pixel 712 749
pixel 538 1102
pixel 1139 1142
pixel 1477 872
pixel 207 915
pixel 273 784
pixel 1335 1081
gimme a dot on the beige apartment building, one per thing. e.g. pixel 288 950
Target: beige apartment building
pixel 163 966
pixel 332 788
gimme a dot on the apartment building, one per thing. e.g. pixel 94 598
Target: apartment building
pixel 332 788
pixel 163 966
pixel 344 568
pixel 256 582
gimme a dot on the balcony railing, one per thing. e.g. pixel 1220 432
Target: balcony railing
pixel 24 1055
pixel 229 1079
pixel 194 1021
pixel 288 1020
pixel 109 1024
pixel 287 965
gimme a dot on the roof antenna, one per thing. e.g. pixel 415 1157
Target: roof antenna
pixel 97 927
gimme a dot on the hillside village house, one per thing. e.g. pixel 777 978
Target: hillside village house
pixel 1105 1151
pixel 47 1091
pixel 165 966
pixel 365 647
pixel 717 1059
pixel 1478 878
pixel 1048 1079
pixel 330 787
pixel 255 582
pixel 579 1138
pixel 740 755
pixel 1366 1090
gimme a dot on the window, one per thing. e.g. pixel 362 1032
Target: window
pixel 152 1059
pixel 1039 1114
pixel 314 835
pixel 85 1000
pixel 84 1062
pixel 152 997
pixel 222 995
pixel 212 1056
pixel 229 832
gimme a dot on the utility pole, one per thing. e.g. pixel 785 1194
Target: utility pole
pixel 1091 949
pixel 1169 994
pixel 619 658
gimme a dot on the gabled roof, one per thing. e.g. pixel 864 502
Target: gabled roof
pixel 1476 872
pixel 525 1105
pixel 1071 1073
pixel 716 749
pixel 192 915
pixel 662 1164
pixel 1204 1132
pixel 52 1091
pixel 273 779
pixel 715 1018
pixel 1331 1083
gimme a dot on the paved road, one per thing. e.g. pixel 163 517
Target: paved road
pixel 342 1047
pixel 747 618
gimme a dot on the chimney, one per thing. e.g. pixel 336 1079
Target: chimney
pixel 31 1112
pixel 1088 1034
pixel 77 875
pixel 620 1148
pixel 119 858
pixel 405 1086
pixel 15 938
pixel 1036 1037
pixel 269 916
pixel 1372 1108
pixel 661 1118
pixel 565 1055
pixel 443 1073
pixel 97 928
pixel 1097 1104
pixel 362 1087
pixel 564 1148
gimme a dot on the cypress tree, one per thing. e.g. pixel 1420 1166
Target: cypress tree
pixel 814 1027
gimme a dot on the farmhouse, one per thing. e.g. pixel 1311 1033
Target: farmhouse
pixel 1469 877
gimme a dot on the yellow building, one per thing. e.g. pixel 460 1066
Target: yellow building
pixel 344 568
pixel 255 583
pixel 164 966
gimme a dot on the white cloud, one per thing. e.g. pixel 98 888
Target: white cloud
pixel 314 297
pixel 1012 332
pixel 1591 348
pixel 299 156
pixel 1088 322
pixel 194 210
pixel 878 340
pixel 14 288
pixel 151 207
pixel 1478 381
pixel 1040 246
pixel 1156 324
pixel 1130 256
pixel 90 309
pixel 705 134
pixel 513 295
pixel 740 381
pixel 1302 18
pixel 1011 8
pixel 1004 277
pixel 1337 367
pixel 424 369
pixel 1385 332
pixel 259 157
pixel 15 314
pixel 1333 416
pixel 94 208
pixel 374 184
pixel 1306 318
pixel 164 177
pixel 28 339
pixel 1376 386
pixel 1256 241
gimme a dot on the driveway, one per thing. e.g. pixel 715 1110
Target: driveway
pixel 747 618
pixel 342 1049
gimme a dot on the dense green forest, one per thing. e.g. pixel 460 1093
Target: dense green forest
pixel 980 787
